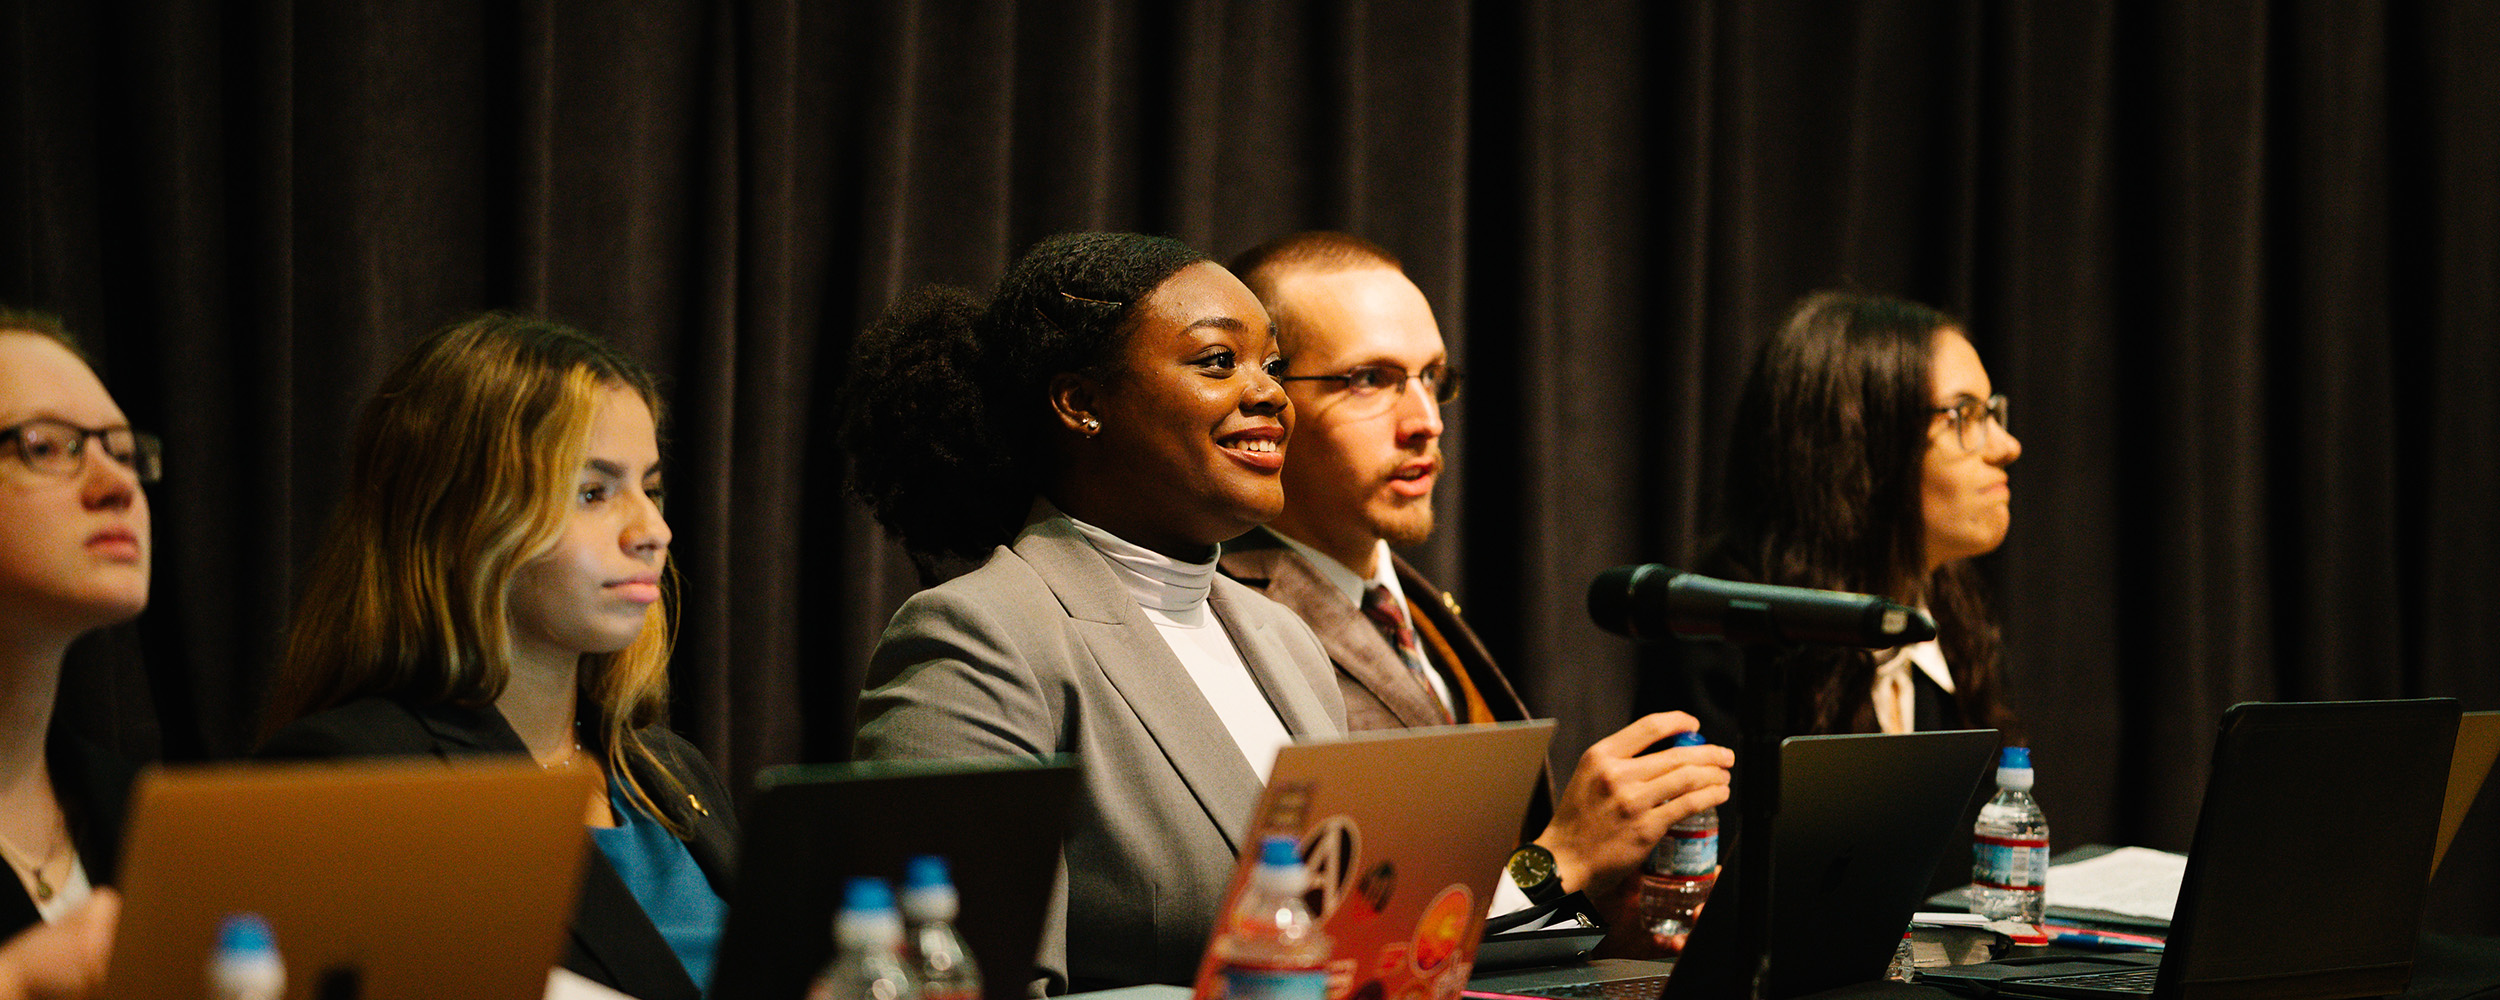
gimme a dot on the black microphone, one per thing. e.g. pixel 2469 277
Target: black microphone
pixel 1651 600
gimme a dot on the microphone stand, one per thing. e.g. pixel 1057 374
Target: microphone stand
pixel 1765 698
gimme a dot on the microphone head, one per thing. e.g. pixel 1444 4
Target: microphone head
pixel 1610 598
pixel 1905 624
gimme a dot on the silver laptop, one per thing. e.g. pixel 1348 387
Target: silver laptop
pixel 1404 832
pixel 407 880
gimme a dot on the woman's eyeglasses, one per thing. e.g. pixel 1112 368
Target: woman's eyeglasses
pixel 59 448
pixel 1976 421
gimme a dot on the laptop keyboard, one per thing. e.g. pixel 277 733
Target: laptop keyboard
pixel 1643 988
pixel 2121 981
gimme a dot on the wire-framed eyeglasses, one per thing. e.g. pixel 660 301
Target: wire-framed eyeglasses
pixel 1372 388
pixel 1976 421
pixel 59 448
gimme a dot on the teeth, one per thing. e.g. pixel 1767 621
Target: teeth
pixel 1256 444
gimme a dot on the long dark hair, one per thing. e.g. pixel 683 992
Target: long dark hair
pixel 946 414
pixel 1823 490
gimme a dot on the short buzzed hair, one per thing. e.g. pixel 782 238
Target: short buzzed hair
pixel 1314 250
pixel 41 324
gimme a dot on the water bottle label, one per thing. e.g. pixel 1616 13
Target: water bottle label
pixel 1696 852
pixel 1245 982
pixel 2010 862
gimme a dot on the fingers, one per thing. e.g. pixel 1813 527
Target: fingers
pixel 1630 740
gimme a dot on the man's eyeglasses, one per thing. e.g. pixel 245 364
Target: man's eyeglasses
pixel 1976 421
pixel 1377 387
pixel 57 448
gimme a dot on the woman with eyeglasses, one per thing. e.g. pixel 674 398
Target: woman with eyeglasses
pixel 73 559
pixel 1091 431
pixel 1868 455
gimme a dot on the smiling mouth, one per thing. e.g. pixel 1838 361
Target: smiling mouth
pixel 1261 449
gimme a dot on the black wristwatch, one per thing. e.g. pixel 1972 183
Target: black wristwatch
pixel 1531 868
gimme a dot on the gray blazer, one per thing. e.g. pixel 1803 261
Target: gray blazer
pixel 1041 651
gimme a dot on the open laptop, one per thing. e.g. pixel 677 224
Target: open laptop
pixel 417 879
pixel 997 822
pixel 1404 833
pixel 2478 744
pixel 2326 808
pixel 1863 822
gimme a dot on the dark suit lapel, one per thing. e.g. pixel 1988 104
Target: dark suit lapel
pixel 610 931
pixel 1133 656
pixel 1352 642
pixel 1430 602
pixel 1932 709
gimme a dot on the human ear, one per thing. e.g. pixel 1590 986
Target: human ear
pixel 1076 400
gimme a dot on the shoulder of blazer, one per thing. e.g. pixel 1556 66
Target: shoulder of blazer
pixel 694 795
pixel 377 726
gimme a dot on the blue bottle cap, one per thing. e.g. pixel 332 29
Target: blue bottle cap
pixel 245 933
pixel 925 871
pixel 2015 757
pixel 1279 851
pixel 867 894
pixel 1690 740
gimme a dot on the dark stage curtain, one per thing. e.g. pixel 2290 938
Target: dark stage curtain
pixel 2237 263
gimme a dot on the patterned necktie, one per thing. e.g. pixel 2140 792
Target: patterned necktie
pixel 1382 608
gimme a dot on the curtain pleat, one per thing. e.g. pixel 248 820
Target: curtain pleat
pixel 2237 263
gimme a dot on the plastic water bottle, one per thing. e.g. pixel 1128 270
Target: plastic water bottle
pixel 245 965
pixel 1680 871
pixel 867 949
pixel 2010 847
pixel 1270 947
pixel 940 960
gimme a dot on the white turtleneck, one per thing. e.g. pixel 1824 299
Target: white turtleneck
pixel 1173 595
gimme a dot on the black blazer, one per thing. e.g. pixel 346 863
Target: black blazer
pixel 93 786
pixel 613 941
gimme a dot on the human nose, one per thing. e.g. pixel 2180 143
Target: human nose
pixel 646 532
pixel 2003 446
pixel 1265 394
pixel 1419 414
pixel 107 482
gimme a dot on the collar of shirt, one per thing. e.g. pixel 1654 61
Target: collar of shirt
pixel 1384 570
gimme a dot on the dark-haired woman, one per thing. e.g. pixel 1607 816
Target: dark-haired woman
pixel 1868 455
pixel 1092 432
pixel 74 557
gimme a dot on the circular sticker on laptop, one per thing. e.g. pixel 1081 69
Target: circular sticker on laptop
pixel 1443 927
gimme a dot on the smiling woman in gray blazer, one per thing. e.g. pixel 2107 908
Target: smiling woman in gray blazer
pixel 1091 432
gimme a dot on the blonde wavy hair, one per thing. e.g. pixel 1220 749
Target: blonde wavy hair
pixel 463 472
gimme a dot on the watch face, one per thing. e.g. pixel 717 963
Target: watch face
pixel 1531 865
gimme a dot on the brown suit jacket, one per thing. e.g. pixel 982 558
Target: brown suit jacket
pixel 1380 692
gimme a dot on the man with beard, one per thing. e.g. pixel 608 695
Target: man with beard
pixel 1368 375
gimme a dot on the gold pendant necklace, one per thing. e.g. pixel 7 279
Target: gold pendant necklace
pixel 34 869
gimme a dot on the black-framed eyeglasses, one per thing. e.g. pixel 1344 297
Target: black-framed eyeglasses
pixel 1976 421
pixel 59 448
pixel 1378 386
